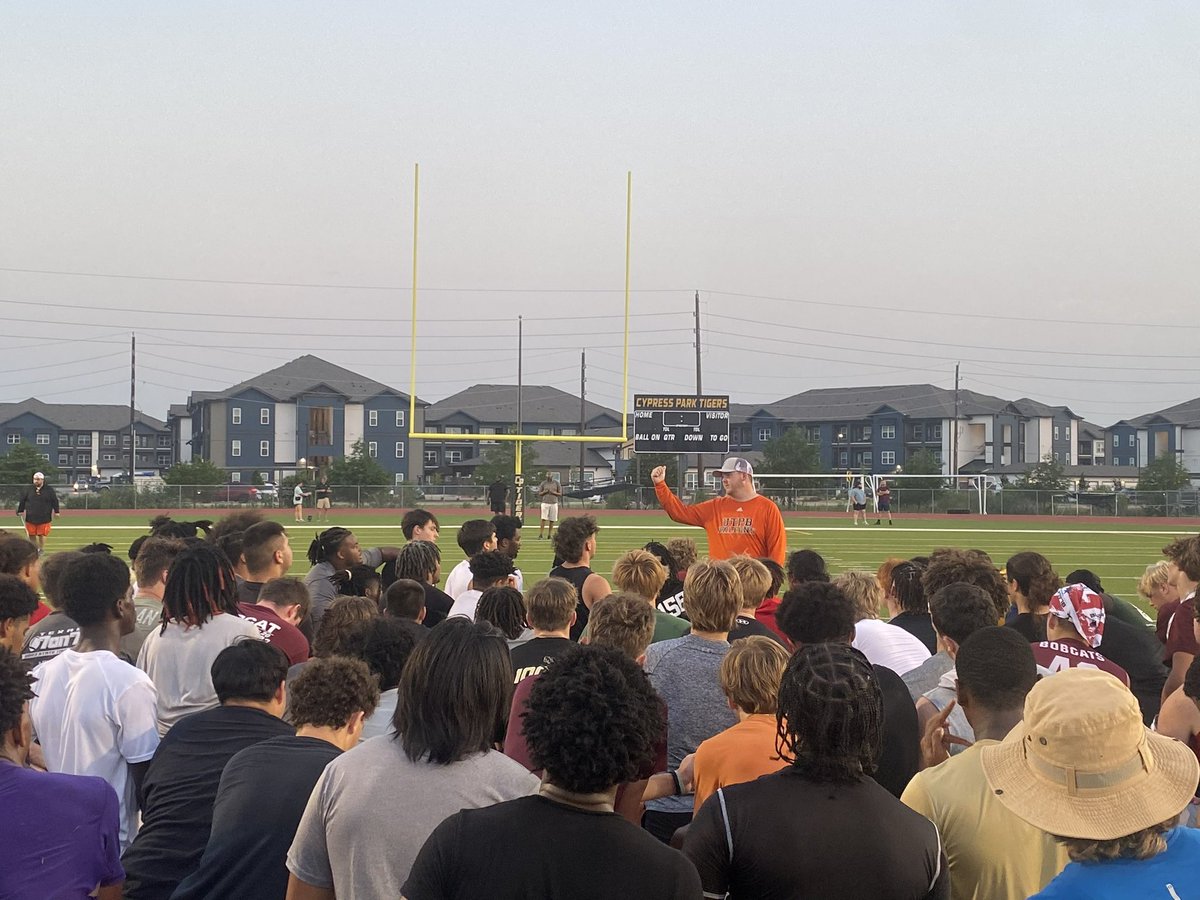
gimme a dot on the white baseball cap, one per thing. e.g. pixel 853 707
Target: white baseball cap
pixel 39 475
pixel 736 464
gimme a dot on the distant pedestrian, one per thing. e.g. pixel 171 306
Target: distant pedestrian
pixel 549 493
pixel 324 495
pixel 858 500
pixel 883 502
pixel 497 495
pixel 298 495
pixel 38 509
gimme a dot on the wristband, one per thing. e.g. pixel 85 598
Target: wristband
pixel 675 778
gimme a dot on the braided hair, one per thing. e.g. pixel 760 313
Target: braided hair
pixel 830 714
pixel 165 526
pixel 200 585
pixel 325 545
pixel 907 587
pixel 418 560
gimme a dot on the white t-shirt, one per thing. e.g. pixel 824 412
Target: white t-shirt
pixel 179 662
pixel 465 604
pixel 460 576
pixel 94 714
pixel 889 645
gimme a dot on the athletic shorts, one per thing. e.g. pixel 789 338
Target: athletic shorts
pixel 37 530
pixel 549 512
pixel 323 503
pixel 885 505
pixel 859 507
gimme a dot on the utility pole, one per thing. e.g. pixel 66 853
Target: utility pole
pixel 518 473
pixel 582 410
pixel 954 436
pixel 132 399
pixel 699 390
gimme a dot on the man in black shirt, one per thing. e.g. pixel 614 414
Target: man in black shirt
pixel 550 612
pixel 497 494
pixel 593 723
pixel 817 612
pixel 38 508
pixel 265 787
pixel 857 839
pixel 181 784
pixel 575 545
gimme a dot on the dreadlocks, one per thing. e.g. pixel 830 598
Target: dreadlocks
pixel 165 526
pixel 830 713
pixel 200 585
pixel 326 544
pixel 418 560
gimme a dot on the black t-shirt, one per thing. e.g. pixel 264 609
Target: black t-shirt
pixel 497 492
pixel 179 790
pixel 248 591
pixel 577 575
pixel 747 626
pixel 535 655
pixel 901 755
pixel 1029 626
pixel 920 626
pixel 437 604
pixel 262 796
pixel 538 849
pixel 793 837
pixel 1138 652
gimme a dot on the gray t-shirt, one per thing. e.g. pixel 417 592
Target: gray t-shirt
pixel 684 673
pixel 320 588
pixel 49 637
pixel 925 677
pixel 373 809
pixel 147 613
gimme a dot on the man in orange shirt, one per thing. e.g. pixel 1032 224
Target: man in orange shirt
pixel 741 522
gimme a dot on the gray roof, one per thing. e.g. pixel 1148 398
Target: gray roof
pixel 553 454
pixel 1186 414
pixel 301 376
pixel 1090 430
pixel 80 416
pixel 1035 409
pixel 178 410
pixel 920 401
pixel 540 403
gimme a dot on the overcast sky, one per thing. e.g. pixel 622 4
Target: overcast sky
pixel 863 193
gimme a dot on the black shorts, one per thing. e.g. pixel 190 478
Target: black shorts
pixel 859 507
pixel 885 506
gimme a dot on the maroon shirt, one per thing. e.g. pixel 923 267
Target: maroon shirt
pixel 276 631
pixel 1057 656
pixel 1164 621
pixel 1181 636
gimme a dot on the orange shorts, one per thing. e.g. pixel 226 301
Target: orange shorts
pixel 37 530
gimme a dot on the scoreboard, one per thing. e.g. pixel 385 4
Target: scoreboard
pixel 676 423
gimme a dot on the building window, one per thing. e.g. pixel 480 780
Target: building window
pixel 431 457
pixel 399 449
pixel 43 438
pixel 399 478
pixel 570 431
pixel 236 414
pixel 1116 440
pixel 1133 440
pixel 64 459
pixel 82 459
pixel 13 438
pixel 125 440
pixel 866 433
pixel 545 432
pixel 937 432
pixel 399 418
pixel 373 449
pixel 64 440
pixel 235 477
pixel 887 457
pixel 46 457
pixel 373 418
pixel 453 456
pixel 1056 456
pixel 143 440
pixel 764 435
pixel 110 440
pixel 918 432
pixel 164 440
pixel 887 433
pixel 108 457
pixel 235 448
pixel 452 429
pixel 843 459
pixel 1056 432
pixel 868 460
pixel 264 448
pixel 164 459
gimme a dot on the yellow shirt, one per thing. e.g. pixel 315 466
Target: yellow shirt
pixel 993 854
pixel 740 753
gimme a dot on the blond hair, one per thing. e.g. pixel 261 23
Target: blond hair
pixel 863 591
pixel 750 673
pixel 683 551
pixel 623 621
pixel 1156 576
pixel 712 595
pixel 1140 845
pixel 756 580
pixel 640 572
pixel 550 603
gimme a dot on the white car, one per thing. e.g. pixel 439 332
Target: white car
pixel 268 491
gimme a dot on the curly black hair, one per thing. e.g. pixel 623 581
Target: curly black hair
pixel 490 567
pixel 593 720
pixel 806 565
pixel 17 599
pixel 384 644
pixel 503 607
pixel 329 691
pixel 815 612
pixel 16 686
pixel 830 714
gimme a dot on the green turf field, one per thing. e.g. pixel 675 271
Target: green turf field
pixel 1118 552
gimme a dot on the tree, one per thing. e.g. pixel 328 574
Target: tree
pixel 1165 473
pixel 1047 475
pixel 923 462
pixel 198 471
pixel 500 462
pixel 645 463
pixel 358 468
pixel 22 460
pixel 789 454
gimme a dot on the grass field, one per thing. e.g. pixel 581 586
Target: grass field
pixel 1117 551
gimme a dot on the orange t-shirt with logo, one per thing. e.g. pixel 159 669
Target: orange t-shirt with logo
pixel 751 527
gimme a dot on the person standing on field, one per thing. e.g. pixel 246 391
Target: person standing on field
pixel 38 509
pixel 549 493
pixel 298 495
pixel 740 522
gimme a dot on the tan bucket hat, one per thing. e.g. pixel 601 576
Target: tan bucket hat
pixel 1082 765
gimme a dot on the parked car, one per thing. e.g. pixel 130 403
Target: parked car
pixel 268 492
pixel 237 493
